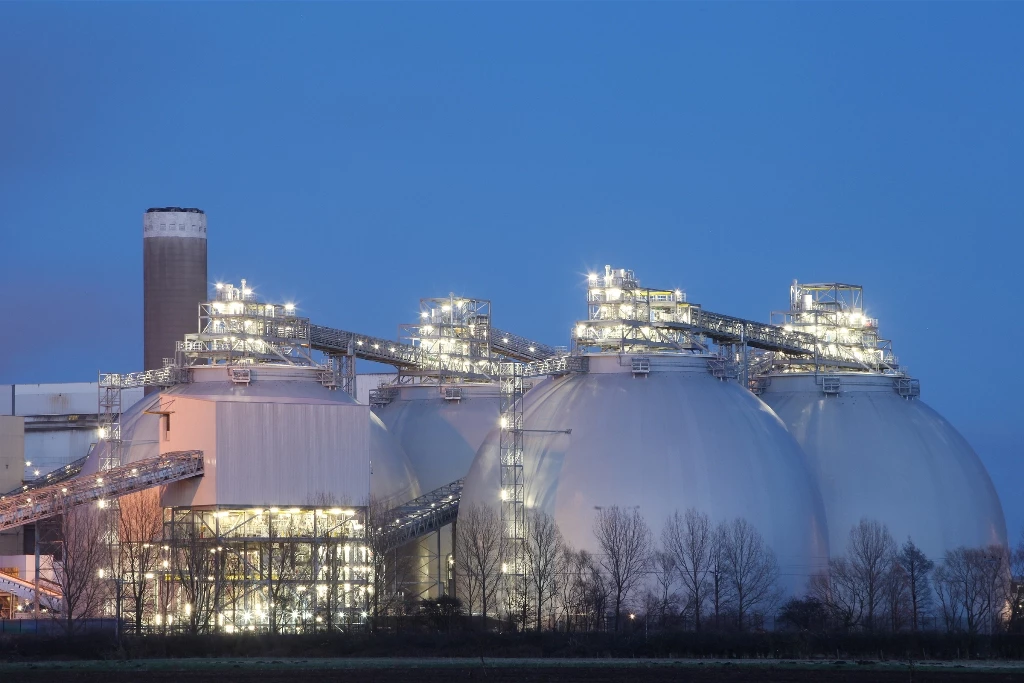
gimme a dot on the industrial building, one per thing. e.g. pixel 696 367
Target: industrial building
pixel 293 490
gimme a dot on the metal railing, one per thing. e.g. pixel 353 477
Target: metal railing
pixel 47 501
pixel 519 348
pixel 331 340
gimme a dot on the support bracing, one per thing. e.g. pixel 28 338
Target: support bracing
pixel 513 489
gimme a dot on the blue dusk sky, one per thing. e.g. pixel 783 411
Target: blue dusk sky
pixel 356 157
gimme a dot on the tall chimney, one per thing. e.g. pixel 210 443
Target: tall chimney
pixel 174 278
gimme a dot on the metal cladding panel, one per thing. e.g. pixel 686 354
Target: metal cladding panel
pixel 392 475
pixel 188 424
pixel 292 454
pixel 440 437
pixel 174 280
pixel 12 452
pixel 56 399
pixel 667 442
pixel 884 457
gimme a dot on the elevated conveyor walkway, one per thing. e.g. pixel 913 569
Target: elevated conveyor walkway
pixel 47 501
pixel 422 516
pixel 399 355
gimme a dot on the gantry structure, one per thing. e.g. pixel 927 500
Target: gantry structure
pixel 453 342
pixel 825 331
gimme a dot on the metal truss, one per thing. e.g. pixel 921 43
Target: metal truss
pixel 513 484
pixel 340 372
pixel 832 314
pixel 626 318
pixel 110 407
pixel 47 501
pixel 519 348
pixel 258 569
pixel 377 349
pixel 422 516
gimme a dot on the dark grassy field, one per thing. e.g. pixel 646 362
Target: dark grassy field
pixel 438 670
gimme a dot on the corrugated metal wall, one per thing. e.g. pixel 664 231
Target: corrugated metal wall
pixel 292 454
pixel 269 454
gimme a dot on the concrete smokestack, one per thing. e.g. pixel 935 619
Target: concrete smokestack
pixel 174 278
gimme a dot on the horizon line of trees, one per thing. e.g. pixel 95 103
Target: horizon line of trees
pixel 693 575
pixel 724 576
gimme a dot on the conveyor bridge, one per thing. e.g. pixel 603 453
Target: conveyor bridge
pixel 422 516
pixel 48 501
pixel 407 356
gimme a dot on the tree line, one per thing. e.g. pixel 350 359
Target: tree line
pixel 693 574
pixel 699 575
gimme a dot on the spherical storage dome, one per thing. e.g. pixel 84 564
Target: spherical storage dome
pixel 440 436
pixel 876 454
pixel 675 439
pixel 391 475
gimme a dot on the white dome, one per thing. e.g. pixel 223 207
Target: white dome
pixel 391 478
pixel 678 438
pixel 878 455
pixel 441 437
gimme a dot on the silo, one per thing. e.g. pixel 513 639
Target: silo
pixel 876 450
pixel 669 440
pixel 441 435
pixel 174 278
pixel 391 475
pixel 892 458
pixel 442 414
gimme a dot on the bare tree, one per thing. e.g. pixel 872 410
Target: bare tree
pixel 1016 616
pixel 136 555
pixel 479 544
pixel 996 561
pixel 572 587
pixel 690 540
pixel 839 590
pixel 281 569
pixel 596 590
pixel 196 565
pixel 625 541
pixel 666 601
pixel 751 570
pixel 896 593
pixel 917 569
pixel 973 587
pixel 80 532
pixel 382 599
pixel 716 590
pixel 871 552
pixel 543 549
